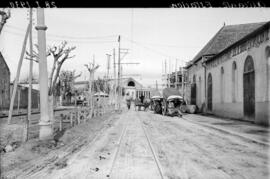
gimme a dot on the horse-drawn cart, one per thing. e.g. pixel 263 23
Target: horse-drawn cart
pixel 173 103
pixel 156 104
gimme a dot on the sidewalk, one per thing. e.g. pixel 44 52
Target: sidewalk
pixel 243 129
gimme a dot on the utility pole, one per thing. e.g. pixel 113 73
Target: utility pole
pixel 114 79
pixel 166 73
pixel 183 83
pixel 175 74
pixel 156 85
pixel 108 69
pixel 118 76
pixel 46 128
pixel 15 84
pixel 30 77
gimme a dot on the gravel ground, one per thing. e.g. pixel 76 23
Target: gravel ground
pixel 137 144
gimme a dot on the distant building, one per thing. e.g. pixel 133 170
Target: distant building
pixel 21 97
pixel 230 76
pixel 4 84
pixel 134 88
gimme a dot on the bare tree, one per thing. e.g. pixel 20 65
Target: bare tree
pixel 60 54
pixel 66 81
pixel 4 16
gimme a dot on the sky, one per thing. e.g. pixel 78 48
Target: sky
pixel 150 35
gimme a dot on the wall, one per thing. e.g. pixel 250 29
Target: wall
pixel 4 84
pixel 23 102
pixel 234 109
pixel 198 71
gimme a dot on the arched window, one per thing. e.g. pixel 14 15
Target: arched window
pixel 222 85
pixel 234 81
pixel 131 83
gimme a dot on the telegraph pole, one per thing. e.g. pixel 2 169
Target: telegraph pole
pixel 108 67
pixel 114 78
pixel 118 77
pixel 30 76
pixel 183 83
pixel 15 84
pixel 166 75
pixel 46 129
pixel 175 74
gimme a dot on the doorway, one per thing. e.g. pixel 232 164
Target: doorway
pixel 249 89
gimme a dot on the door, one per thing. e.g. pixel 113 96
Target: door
pixel 209 92
pixel 193 93
pixel 249 90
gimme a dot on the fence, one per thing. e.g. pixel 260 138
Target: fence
pixel 70 118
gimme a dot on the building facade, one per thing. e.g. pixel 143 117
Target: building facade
pixel 134 88
pixel 4 84
pixel 231 78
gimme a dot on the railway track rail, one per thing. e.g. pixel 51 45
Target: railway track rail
pixel 120 145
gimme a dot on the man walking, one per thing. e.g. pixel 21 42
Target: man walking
pixel 128 100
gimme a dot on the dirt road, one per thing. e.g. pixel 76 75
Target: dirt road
pixel 146 145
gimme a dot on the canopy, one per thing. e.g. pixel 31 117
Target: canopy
pixel 174 97
pixel 156 97
pixel 169 92
pixel 101 94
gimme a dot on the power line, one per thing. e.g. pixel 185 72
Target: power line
pixel 67 37
pixel 153 50
pixel 53 39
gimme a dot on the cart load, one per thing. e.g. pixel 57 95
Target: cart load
pixel 173 102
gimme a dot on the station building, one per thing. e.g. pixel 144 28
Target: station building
pixel 134 88
pixel 230 76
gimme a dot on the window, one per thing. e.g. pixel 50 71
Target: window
pixel 234 81
pixel 131 83
pixel 222 85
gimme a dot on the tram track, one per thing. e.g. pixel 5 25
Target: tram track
pixel 153 151
pixel 122 146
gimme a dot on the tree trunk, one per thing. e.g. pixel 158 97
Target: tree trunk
pixel 51 112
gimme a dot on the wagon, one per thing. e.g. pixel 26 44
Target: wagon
pixel 156 104
pixel 173 103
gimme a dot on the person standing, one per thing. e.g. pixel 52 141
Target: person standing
pixel 128 100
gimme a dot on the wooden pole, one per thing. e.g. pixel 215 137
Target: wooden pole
pixel 175 74
pixel 15 84
pixel 114 77
pixel 118 77
pixel 30 77
pixel 18 100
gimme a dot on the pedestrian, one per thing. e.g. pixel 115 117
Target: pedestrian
pixel 128 100
pixel 142 98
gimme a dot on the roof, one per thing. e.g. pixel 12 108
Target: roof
pixel 225 37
